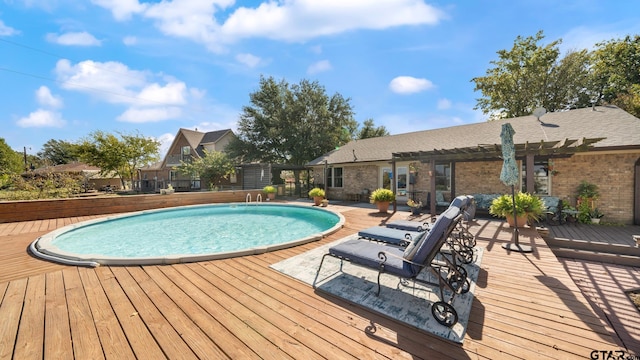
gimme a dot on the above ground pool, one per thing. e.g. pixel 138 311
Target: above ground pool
pixel 186 234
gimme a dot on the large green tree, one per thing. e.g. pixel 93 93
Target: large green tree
pixel 616 73
pixel 11 162
pixel 212 168
pixel 56 152
pixel 292 124
pixel 122 154
pixel 369 130
pixel 530 75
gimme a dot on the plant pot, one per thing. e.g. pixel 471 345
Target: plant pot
pixel 383 206
pixel 522 220
pixel 317 200
pixel 415 210
pixel 271 196
pixel 595 220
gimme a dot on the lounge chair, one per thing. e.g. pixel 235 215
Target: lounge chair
pixel 389 235
pixel 409 225
pixel 408 263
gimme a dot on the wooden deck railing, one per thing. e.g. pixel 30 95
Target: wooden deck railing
pixel 13 211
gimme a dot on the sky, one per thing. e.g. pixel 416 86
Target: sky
pixel 69 68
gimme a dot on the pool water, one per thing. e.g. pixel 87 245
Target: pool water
pixel 193 230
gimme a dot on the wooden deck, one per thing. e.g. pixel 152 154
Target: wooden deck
pixel 525 306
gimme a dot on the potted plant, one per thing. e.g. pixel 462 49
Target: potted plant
pixel 529 208
pixel 382 197
pixel 595 216
pixel 270 190
pixel 414 206
pixel 317 194
pixel 587 193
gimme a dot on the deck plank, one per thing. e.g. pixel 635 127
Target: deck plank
pixel 31 332
pixel 163 331
pixel 57 340
pixel 525 306
pixel 113 340
pixel 139 338
pixel 189 331
pixel 10 312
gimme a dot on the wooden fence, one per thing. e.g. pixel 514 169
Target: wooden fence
pixel 13 211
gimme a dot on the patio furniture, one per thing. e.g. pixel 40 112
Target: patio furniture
pixel 389 235
pixel 409 225
pixel 408 263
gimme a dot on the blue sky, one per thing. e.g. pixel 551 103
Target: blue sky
pixel 68 68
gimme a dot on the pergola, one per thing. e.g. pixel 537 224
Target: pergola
pixel 492 152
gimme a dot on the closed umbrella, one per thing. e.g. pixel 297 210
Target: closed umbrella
pixel 510 177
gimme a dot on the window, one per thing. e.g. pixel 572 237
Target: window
pixel 334 177
pixel 541 177
pixel 186 154
pixel 443 177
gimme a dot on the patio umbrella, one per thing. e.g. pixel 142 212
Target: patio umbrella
pixel 510 177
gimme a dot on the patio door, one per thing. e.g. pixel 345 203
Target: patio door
pixel 401 179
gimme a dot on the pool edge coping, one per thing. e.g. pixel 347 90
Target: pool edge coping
pixel 42 247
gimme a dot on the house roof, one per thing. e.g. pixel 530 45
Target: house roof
pixel 618 129
pixel 73 167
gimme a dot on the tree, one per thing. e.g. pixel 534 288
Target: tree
pixel 616 73
pixel 11 162
pixel 120 156
pixel 529 76
pixel 368 130
pixel 213 167
pixel 292 124
pixel 57 152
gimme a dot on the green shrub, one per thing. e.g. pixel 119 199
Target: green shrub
pixel 269 189
pixel 316 192
pixel 526 203
pixel 381 194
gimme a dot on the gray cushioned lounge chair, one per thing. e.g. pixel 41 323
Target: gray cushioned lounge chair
pixel 407 263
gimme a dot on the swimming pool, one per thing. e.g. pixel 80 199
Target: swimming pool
pixel 186 234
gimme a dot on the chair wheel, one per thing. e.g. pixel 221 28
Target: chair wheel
pixel 444 313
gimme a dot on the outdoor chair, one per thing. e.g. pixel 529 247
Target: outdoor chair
pixel 407 263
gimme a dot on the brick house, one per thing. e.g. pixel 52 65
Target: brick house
pixel 186 146
pixel 556 152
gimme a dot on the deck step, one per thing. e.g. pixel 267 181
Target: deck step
pixel 606 257
pixel 600 247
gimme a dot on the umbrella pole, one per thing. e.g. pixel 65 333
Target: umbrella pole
pixel 516 233
pixel 515 246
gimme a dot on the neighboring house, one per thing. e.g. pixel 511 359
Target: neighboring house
pixel 91 174
pixel 186 146
pixel 556 152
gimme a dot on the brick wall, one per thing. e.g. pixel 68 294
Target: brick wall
pixel 612 173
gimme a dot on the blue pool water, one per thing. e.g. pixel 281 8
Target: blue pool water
pixel 193 230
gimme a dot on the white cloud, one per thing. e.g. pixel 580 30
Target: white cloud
pixel 121 9
pixel 248 59
pixel 74 38
pixel 409 85
pixel 45 98
pixel 150 114
pixel 165 143
pixel 42 118
pixel 7 30
pixel 301 20
pixel 444 104
pixel 320 66
pixel 130 40
pixel 291 20
pixel 151 98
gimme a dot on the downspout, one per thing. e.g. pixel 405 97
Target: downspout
pixel 393 182
pixel 432 187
